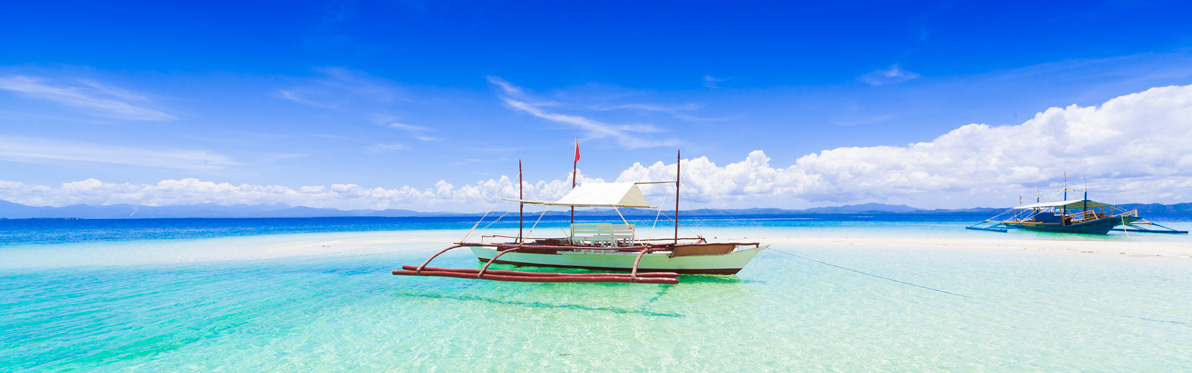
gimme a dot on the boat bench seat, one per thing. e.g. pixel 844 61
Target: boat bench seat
pixel 602 234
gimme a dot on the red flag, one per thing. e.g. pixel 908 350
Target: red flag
pixel 577 150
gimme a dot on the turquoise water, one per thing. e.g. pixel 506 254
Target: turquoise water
pixel 793 308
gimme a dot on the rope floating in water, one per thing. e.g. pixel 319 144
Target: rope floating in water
pixel 869 274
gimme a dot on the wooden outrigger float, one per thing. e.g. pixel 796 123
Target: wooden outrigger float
pixel 615 248
pixel 1072 216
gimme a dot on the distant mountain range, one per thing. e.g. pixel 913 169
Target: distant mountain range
pixel 9 210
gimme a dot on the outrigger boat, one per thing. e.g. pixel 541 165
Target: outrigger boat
pixel 615 247
pixel 1072 216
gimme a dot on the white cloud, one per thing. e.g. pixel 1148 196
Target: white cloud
pixel 1133 148
pixel 893 75
pixel 98 99
pixel 27 149
pixel 343 196
pixel 627 135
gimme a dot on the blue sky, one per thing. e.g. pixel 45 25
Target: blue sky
pixel 426 105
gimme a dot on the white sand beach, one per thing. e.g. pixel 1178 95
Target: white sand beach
pixel 366 243
pixel 376 242
pixel 1139 245
pixel 1138 248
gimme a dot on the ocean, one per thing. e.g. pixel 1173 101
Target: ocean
pixel 317 294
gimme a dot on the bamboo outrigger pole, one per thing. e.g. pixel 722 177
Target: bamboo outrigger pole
pixel 678 174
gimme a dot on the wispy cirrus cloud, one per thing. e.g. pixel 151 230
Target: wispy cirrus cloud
pixel 627 135
pixel 302 99
pixel 893 75
pixel 710 82
pixel 508 87
pixel 93 97
pixel 387 148
pixel 358 96
pixel 339 88
pixel 27 149
pixel 417 131
pixel 677 111
pixel 408 127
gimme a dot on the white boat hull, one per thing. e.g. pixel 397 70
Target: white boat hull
pixel 607 260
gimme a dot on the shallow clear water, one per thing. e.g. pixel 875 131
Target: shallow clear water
pixel 793 308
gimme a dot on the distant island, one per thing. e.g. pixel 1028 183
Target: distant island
pixel 10 210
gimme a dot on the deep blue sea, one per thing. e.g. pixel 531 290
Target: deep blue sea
pixel 57 231
pixel 317 294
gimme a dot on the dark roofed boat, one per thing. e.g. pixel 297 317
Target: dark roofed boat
pixel 1072 216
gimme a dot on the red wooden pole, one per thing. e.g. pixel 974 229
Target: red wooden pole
pixel 526 273
pixel 568 278
pixel 432 257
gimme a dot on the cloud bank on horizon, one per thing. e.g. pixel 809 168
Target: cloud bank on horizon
pixel 1132 148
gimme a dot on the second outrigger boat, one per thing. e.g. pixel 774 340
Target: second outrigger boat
pixel 599 246
pixel 1072 216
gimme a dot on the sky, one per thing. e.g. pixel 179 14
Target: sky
pixel 430 105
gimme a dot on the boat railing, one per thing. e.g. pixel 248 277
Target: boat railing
pixel 602 234
pixel 1083 216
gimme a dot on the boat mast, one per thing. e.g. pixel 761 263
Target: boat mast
pixel 574 166
pixel 678 174
pixel 1086 192
pixel 521 204
pixel 1064 209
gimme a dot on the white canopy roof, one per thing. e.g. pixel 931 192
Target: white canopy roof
pixel 1072 204
pixel 602 195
